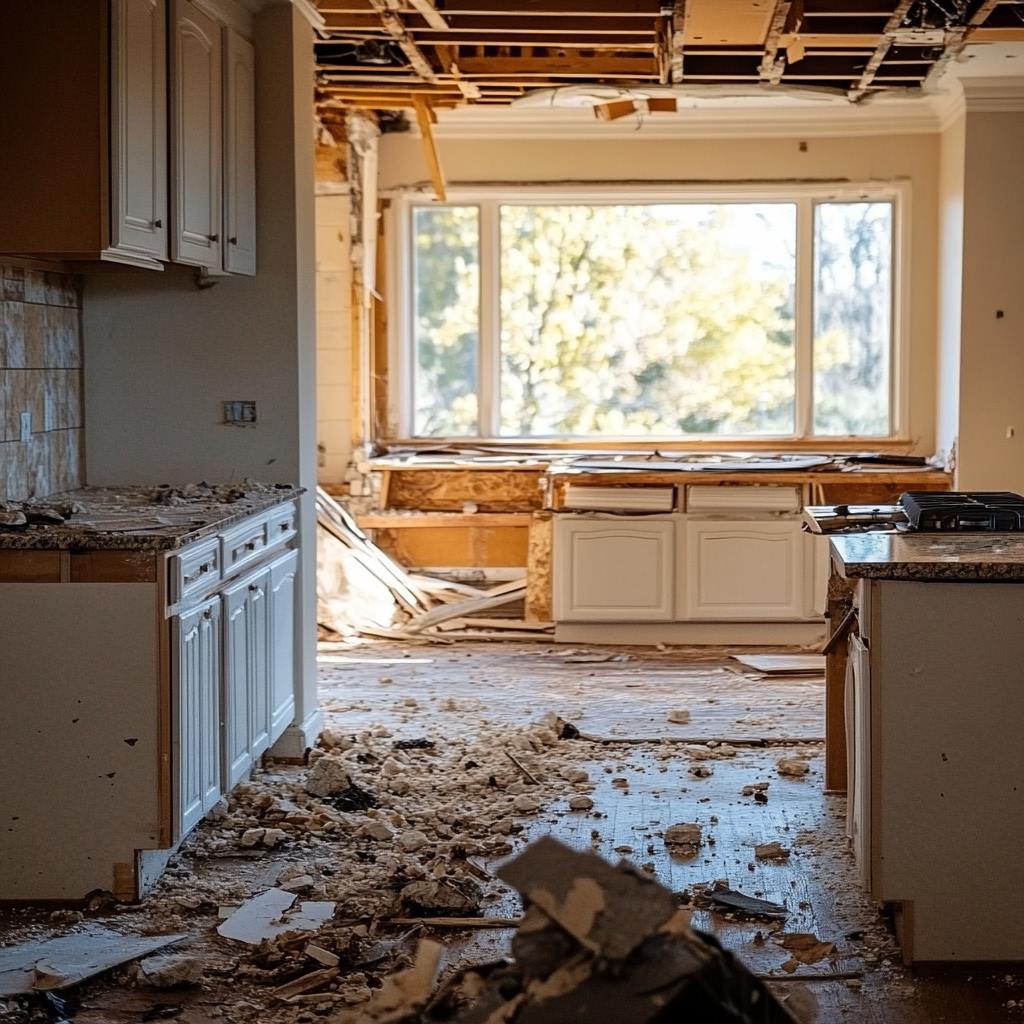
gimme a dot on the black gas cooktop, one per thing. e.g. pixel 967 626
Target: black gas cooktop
pixel 963 511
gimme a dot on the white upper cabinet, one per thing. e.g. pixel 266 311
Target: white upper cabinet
pixel 138 138
pixel 239 154
pixel 196 136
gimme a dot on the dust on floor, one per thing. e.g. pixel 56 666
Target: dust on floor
pixel 434 771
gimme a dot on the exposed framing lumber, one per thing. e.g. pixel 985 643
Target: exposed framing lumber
pixel 433 17
pixel 398 32
pixel 425 118
pixel 875 61
pixel 958 38
pixel 470 90
pixel 772 65
pixel 678 38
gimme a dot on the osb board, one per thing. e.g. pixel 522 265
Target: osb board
pixel 458 547
pixel 449 490
pixel 539 603
pixel 857 493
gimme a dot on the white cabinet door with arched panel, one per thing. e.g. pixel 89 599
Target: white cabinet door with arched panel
pixel 614 569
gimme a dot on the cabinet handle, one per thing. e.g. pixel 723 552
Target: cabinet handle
pixel 250 545
pixel 213 238
pixel 205 567
pixel 253 588
pixel 158 223
pixel 208 614
pixel 233 240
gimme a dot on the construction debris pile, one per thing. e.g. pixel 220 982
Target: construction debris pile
pixel 597 943
pixel 362 591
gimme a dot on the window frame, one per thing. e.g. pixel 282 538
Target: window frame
pixel 489 198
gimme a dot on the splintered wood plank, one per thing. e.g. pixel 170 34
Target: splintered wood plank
pixel 540 568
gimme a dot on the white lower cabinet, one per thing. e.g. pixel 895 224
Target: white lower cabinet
pixel 196 686
pixel 246 673
pixel 283 572
pixel 614 569
pixel 737 569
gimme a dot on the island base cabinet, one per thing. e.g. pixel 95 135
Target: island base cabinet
pixel 196 688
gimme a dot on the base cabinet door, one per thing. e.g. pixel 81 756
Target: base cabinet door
pixel 196 686
pixel 246 660
pixel 282 642
pixel 614 570
pixel 744 569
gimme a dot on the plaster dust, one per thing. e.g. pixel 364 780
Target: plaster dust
pixel 419 811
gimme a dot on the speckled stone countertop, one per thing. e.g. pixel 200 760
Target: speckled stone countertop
pixel 127 518
pixel 930 556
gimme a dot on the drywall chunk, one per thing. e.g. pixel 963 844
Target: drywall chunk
pixel 170 970
pixel 524 804
pixel 771 851
pixel 412 841
pixel 685 834
pixel 679 716
pixel 794 767
pixel 453 895
pixel 327 775
pixel 580 803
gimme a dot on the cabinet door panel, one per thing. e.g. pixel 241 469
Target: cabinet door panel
pixel 138 140
pixel 196 136
pixel 258 667
pixel 744 570
pixel 237 754
pixel 614 571
pixel 282 643
pixel 239 155
pixel 196 717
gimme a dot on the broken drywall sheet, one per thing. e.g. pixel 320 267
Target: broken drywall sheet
pixel 54 964
pixel 266 916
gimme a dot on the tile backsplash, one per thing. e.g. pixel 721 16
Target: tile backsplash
pixel 41 418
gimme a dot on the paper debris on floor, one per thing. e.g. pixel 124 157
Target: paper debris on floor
pixel 266 916
pixel 65 961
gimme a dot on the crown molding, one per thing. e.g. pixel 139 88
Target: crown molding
pixel 307 8
pixel 992 95
pixel 919 116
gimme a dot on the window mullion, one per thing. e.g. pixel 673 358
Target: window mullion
pixel 804 397
pixel 490 320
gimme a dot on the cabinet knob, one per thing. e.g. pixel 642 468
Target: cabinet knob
pixel 250 545
pixel 233 240
pixel 158 223
pixel 253 588
pixel 208 614
pixel 205 567
pixel 213 238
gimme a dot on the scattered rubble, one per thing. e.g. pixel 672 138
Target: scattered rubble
pixel 771 851
pixel 679 716
pixel 793 767
pixel 684 836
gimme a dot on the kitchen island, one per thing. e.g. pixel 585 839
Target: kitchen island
pixel 934 712
pixel 148 661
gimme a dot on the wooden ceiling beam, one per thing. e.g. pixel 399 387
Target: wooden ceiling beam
pixel 575 65
pixel 995 35
pixel 772 64
pixel 447 59
pixel 957 39
pixel 425 118
pixel 400 35
pixel 430 14
pixel 892 24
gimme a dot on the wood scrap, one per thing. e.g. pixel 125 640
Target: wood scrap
pixel 783 664
pixel 457 922
pixel 266 916
pixel 519 764
pixel 489 600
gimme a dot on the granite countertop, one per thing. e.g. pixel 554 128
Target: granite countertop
pixel 145 518
pixel 930 556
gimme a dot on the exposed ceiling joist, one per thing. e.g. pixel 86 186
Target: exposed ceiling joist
pixel 892 25
pixel 425 117
pixel 772 64
pixel 397 30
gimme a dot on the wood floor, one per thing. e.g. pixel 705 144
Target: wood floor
pixel 647 774
pixel 628 699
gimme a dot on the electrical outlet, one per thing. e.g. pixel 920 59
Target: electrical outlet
pixel 26 426
pixel 240 414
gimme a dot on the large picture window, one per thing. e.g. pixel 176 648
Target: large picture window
pixel 766 315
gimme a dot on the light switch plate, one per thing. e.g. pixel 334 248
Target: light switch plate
pixel 240 414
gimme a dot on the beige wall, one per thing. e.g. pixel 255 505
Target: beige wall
pixel 913 157
pixel 992 339
pixel 333 337
pixel 41 374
